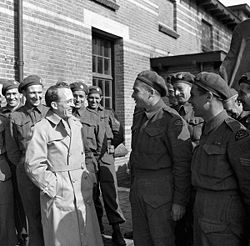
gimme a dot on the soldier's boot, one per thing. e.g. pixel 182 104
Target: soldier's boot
pixel 117 237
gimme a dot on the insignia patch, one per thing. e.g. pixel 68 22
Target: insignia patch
pixel 241 134
pixel 178 122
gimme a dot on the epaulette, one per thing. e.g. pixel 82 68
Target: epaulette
pixel 239 130
pixel 233 124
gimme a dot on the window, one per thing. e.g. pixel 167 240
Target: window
pixel 102 61
pixel 206 36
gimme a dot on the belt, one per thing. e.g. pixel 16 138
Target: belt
pixel 218 192
pixel 67 168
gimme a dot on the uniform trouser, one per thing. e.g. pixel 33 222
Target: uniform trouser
pixel 30 195
pixel 7 223
pixel 219 219
pixel 151 204
pixel 106 177
pixel 20 218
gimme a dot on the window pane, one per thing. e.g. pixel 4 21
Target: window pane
pixel 100 83
pixel 107 66
pixel 100 65
pixel 107 49
pixel 94 60
pixel 94 81
pixel 107 103
pixel 94 46
pixel 107 88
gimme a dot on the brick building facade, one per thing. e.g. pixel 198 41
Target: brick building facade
pixel 107 42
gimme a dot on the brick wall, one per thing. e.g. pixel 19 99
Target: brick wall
pixel 58 38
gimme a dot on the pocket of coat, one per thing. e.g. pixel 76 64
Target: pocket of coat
pixel 59 186
pixel 156 201
pixel 208 226
pixel 212 149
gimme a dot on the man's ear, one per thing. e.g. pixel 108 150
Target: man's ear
pixel 54 105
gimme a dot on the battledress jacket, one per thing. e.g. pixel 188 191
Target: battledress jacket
pixel 55 162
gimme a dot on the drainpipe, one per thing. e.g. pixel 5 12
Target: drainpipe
pixel 20 40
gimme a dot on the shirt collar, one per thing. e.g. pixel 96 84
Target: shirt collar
pixel 154 109
pixel 215 122
pixel 31 108
pixel 187 107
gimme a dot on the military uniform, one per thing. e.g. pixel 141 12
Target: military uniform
pixel 7 223
pixel 194 123
pixel 21 127
pixel 112 136
pixel 219 171
pixel 160 173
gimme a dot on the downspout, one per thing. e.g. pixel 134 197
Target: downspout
pixel 20 40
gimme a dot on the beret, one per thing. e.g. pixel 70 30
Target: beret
pixel 184 77
pixel 214 83
pixel 154 80
pixel 95 89
pixel 245 78
pixel 28 81
pixel 8 85
pixel 233 95
pixel 79 86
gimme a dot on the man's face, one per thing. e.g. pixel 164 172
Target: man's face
pixel 233 107
pixel 182 92
pixel 94 100
pixel 140 95
pixel 79 99
pixel 34 95
pixel 244 96
pixel 198 101
pixel 12 97
pixel 63 107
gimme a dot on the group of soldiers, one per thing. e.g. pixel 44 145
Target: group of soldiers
pixel 190 160
pixel 55 160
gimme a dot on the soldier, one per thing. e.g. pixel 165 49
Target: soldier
pixel 244 97
pixel 182 84
pixel 55 162
pixel 112 137
pixel 160 172
pixel 21 127
pixel 13 97
pixel 233 106
pixel 7 223
pixel 220 170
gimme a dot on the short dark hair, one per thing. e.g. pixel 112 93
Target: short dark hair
pixel 51 94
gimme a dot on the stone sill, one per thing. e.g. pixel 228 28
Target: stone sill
pixel 170 32
pixel 108 3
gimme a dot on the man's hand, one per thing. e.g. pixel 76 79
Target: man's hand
pixel 177 211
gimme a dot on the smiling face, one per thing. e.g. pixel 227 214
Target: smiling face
pixel 12 97
pixel 140 95
pixel 94 100
pixel 79 99
pixel 33 95
pixel 182 92
pixel 244 95
pixel 65 103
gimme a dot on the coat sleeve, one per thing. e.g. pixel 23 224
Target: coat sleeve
pixel 117 129
pixel 239 157
pixel 36 163
pixel 181 151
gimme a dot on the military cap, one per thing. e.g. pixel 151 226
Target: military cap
pixel 28 81
pixel 8 85
pixel 184 77
pixel 79 86
pixel 95 89
pixel 154 80
pixel 245 78
pixel 213 83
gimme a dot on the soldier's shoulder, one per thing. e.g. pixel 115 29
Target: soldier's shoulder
pixel 238 130
pixel 173 116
